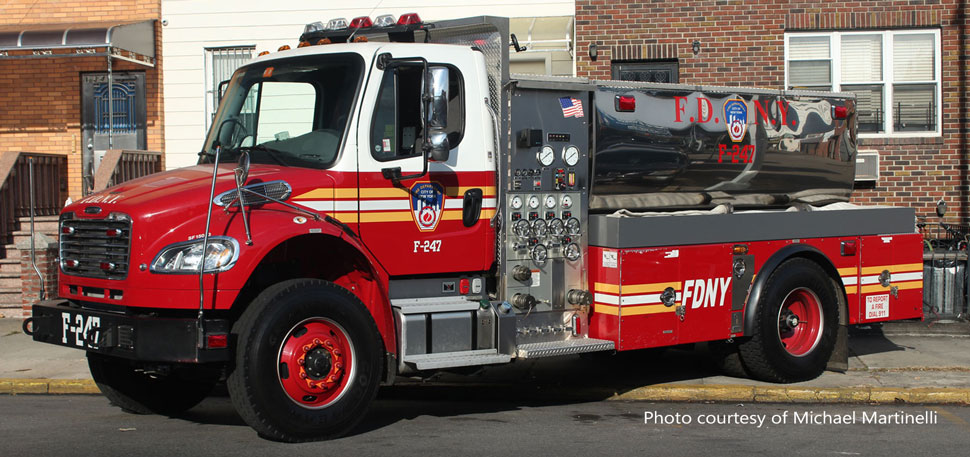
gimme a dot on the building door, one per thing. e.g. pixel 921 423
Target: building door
pixel 115 122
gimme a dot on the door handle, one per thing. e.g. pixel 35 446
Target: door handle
pixel 471 208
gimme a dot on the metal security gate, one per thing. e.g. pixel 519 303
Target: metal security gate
pixel 114 120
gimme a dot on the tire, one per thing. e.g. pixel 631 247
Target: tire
pixel 308 361
pixel 795 326
pixel 134 391
pixel 727 358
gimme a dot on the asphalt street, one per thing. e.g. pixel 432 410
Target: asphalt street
pixel 87 425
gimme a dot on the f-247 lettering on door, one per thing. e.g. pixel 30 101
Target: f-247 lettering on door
pixel 705 293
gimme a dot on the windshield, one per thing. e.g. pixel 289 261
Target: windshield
pixel 289 112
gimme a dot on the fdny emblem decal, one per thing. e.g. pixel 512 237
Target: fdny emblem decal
pixel 427 202
pixel 736 118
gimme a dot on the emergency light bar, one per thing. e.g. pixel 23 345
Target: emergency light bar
pixel 340 31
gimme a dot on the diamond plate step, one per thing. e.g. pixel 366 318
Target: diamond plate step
pixel 433 304
pixel 457 359
pixel 554 348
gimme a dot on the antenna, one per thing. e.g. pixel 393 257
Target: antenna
pixel 350 39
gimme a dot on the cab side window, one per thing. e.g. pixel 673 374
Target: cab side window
pixel 396 131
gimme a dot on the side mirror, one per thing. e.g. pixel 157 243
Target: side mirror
pixel 438 114
pixel 242 170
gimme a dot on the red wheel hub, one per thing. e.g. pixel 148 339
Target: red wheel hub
pixel 800 322
pixel 316 363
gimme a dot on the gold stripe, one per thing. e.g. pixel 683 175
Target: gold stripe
pixel 399 216
pixel 612 310
pixel 648 288
pixel 647 309
pixel 900 286
pixel 346 218
pixel 851 290
pixel 606 288
pixel 327 193
pixel 893 268
pixel 452 215
pixel 849 271
pixel 386 216
pixel 384 192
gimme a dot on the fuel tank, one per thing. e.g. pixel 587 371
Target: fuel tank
pixel 675 146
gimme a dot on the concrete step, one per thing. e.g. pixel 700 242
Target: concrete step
pixel 24 237
pixel 11 311
pixel 10 280
pixel 10 296
pixel 47 223
pixel 12 253
pixel 10 266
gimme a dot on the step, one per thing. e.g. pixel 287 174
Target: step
pixel 10 296
pixel 566 347
pixel 12 253
pixel 10 266
pixel 11 311
pixel 10 280
pixel 457 359
pixel 433 305
pixel 22 236
pixel 40 224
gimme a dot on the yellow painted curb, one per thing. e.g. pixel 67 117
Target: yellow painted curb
pixel 13 386
pixel 794 394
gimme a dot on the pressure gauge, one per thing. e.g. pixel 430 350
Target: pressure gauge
pixel 516 202
pixel 521 228
pixel 570 155
pixel 539 254
pixel 550 201
pixel 572 226
pixel 546 155
pixel 567 202
pixel 533 201
pixel 539 228
pixel 571 251
pixel 557 227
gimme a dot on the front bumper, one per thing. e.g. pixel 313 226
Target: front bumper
pixel 143 338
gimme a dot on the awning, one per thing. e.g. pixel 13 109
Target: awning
pixel 131 41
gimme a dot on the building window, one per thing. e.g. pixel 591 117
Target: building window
pixel 647 71
pixel 895 75
pixel 220 64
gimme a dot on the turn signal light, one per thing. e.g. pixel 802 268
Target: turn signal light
pixel 408 19
pixel 285 47
pixel 263 54
pixel 361 22
pixel 739 249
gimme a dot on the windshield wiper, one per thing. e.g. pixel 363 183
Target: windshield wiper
pixel 274 154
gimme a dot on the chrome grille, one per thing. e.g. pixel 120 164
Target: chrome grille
pixel 95 248
pixel 278 190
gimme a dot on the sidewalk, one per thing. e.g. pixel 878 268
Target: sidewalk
pixel 899 362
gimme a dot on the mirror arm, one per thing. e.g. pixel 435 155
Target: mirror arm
pixel 238 172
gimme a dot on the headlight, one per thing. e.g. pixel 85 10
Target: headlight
pixel 184 258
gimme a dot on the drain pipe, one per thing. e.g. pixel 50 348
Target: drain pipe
pixel 33 250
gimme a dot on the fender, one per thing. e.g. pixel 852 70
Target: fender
pixel 769 267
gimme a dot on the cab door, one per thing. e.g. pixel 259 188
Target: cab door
pixel 439 222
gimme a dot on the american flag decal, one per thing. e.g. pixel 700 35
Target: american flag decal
pixel 571 107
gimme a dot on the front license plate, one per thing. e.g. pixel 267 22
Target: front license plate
pixel 80 330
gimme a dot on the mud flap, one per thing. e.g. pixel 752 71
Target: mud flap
pixel 839 361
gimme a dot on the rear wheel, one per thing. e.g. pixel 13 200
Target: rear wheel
pixel 309 361
pixel 795 326
pixel 135 390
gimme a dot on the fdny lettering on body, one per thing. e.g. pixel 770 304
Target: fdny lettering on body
pixel 705 293
pixel 732 113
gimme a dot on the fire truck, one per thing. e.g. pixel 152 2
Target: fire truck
pixel 388 200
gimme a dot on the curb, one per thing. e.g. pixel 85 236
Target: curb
pixel 14 386
pixel 657 392
pixel 780 394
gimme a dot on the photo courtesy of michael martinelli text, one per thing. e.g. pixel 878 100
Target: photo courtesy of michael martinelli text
pixel 861 417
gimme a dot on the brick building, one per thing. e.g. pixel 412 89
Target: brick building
pixel 907 61
pixel 42 82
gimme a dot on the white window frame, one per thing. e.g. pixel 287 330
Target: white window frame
pixel 835 54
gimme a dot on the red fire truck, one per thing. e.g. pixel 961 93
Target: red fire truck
pixel 388 200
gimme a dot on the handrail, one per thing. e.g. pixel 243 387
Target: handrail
pixel 51 184
pixel 120 165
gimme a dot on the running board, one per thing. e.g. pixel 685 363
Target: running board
pixel 567 347
pixel 457 359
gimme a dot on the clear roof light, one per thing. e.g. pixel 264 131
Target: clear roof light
pixel 385 20
pixel 337 24
pixel 313 27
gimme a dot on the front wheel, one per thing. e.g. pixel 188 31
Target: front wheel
pixel 309 361
pixel 795 326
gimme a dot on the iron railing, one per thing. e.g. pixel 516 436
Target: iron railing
pixel 119 166
pixel 50 187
